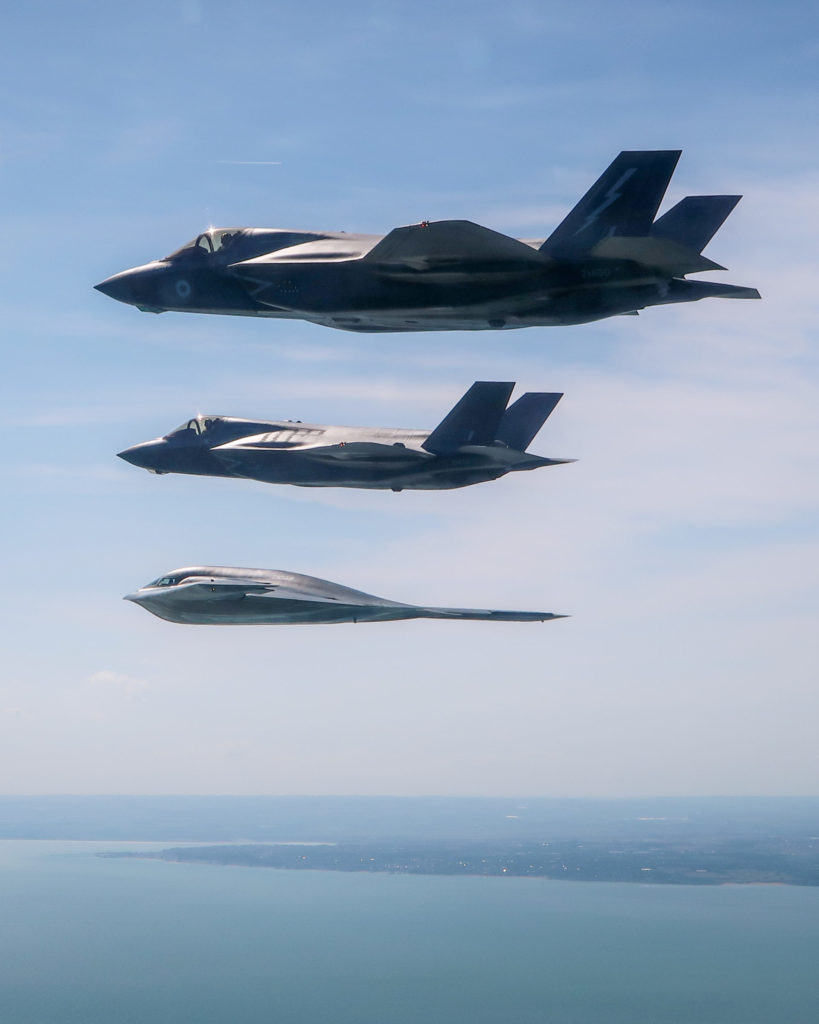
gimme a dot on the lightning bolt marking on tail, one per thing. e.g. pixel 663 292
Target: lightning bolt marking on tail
pixel 609 197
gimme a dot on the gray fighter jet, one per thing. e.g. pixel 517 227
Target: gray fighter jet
pixel 214 595
pixel 479 439
pixel 608 257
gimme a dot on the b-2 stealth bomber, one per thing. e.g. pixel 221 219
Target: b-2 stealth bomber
pixel 479 439
pixel 608 257
pixel 214 595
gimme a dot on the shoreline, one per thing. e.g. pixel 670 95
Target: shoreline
pixel 566 877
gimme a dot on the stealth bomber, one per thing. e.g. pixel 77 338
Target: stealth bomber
pixel 214 595
pixel 608 257
pixel 479 439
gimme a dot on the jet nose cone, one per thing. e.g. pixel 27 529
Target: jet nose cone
pixel 139 286
pixel 147 455
pixel 119 287
pixel 136 597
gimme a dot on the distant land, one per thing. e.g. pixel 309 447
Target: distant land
pixel 704 861
pixel 691 840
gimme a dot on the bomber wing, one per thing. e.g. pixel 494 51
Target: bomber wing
pixel 218 589
pixel 486 613
pixel 283 593
pixel 313 590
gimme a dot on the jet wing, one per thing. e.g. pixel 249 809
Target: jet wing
pixel 362 450
pixel 235 456
pixel 329 249
pixel 442 242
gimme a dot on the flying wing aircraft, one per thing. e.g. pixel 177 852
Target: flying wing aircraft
pixel 608 257
pixel 479 439
pixel 213 595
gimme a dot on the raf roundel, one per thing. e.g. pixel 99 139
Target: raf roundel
pixel 183 289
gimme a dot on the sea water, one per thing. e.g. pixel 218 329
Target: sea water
pixel 86 940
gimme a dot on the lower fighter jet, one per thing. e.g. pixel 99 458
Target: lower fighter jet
pixel 608 257
pixel 213 595
pixel 479 439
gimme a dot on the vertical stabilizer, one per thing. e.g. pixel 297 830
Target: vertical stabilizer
pixel 695 220
pixel 474 420
pixel 524 418
pixel 623 201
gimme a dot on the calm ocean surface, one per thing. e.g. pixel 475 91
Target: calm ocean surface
pixel 91 941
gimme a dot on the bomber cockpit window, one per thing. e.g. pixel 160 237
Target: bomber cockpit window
pixel 165 581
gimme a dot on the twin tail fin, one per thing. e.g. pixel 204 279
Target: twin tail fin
pixel 481 418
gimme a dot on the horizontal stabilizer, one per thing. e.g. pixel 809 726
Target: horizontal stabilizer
pixel 623 201
pixel 734 291
pixel 695 220
pixel 448 241
pixel 691 291
pixel 664 254
pixel 474 420
pixel 487 613
pixel 524 418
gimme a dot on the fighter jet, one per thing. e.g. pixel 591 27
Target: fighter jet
pixel 214 595
pixel 479 439
pixel 608 257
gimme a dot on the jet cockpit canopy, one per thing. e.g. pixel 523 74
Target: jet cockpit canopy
pixel 237 244
pixel 208 242
pixel 195 427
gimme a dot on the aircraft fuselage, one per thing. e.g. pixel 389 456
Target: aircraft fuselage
pixel 217 595
pixel 609 256
pixel 355 295
pixel 314 455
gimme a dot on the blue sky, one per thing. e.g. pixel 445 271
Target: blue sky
pixel 684 542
